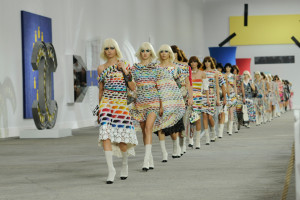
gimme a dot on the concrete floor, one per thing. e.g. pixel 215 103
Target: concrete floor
pixel 249 165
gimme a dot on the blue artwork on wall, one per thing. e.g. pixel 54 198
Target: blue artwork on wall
pixel 223 54
pixel 91 78
pixel 34 28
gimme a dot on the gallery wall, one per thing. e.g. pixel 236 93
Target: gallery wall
pixel 74 24
pixel 216 29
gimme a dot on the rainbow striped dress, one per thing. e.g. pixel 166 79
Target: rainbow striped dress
pixel 147 100
pixel 115 120
pixel 197 95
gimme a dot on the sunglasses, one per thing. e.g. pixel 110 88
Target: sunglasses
pixel 147 50
pixel 111 48
pixel 166 51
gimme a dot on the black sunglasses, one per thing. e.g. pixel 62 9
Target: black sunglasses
pixel 166 51
pixel 145 50
pixel 111 48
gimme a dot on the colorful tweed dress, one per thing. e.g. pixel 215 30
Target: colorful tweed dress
pixel 198 95
pixel 115 120
pixel 184 73
pixel 259 100
pixel 222 82
pixel 232 100
pixel 147 100
pixel 239 104
pixel 172 101
pixel 212 93
pixel 249 102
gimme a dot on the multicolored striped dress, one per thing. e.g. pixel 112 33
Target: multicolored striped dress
pixel 115 120
pixel 147 100
pixel 212 93
pixel 197 95
pixel 232 100
pixel 172 101
pixel 184 73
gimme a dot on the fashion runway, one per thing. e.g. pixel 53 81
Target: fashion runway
pixel 248 165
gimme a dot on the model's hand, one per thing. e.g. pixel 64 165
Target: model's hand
pixel 161 111
pixel 121 66
pixel 244 100
pixel 218 103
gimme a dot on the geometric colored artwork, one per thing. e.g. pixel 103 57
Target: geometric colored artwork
pixel 91 78
pixel 223 54
pixel 34 28
pixel 265 29
pixel 244 64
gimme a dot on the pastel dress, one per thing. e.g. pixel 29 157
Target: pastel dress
pixel 210 75
pixel 147 100
pixel 249 101
pixel 172 101
pixel 232 99
pixel 259 100
pixel 115 120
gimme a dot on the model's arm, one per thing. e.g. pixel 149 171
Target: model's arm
pixel 190 89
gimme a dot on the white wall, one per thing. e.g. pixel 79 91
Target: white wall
pixel 216 29
pixel 75 22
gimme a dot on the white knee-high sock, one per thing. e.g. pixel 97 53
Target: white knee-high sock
pixel 174 148
pixel 148 148
pixel 214 136
pixel 151 162
pixel 198 139
pixel 124 170
pixel 163 149
pixel 183 145
pixel 221 128
pixel 230 127
pixel 207 136
pixel 110 166
pixel 178 146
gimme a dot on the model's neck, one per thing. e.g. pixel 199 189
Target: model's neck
pixel 111 61
pixel 145 62
pixel 165 62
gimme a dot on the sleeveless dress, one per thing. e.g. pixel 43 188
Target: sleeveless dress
pixel 198 95
pixel 172 101
pixel 212 93
pixel 115 120
pixel 249 102
pixel 259 100
pixel 232 100
pixel 239 103
pixel 147 100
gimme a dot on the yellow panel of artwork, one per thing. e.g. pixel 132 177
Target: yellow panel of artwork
pixel 267 29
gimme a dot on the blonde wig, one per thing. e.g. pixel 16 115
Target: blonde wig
pixel 110 43
pixel 166 47
pixel 247 73
pixel 257 73
pixel 146 46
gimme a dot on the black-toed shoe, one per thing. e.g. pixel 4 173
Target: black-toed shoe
pixel 164 161
pixel 197 147
pixel 151 168
pixel 174 156
pixel 145 169
pixel 109 182
pixel 207 144
pixel 123 178
pixel 212 140
pixel 190 145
